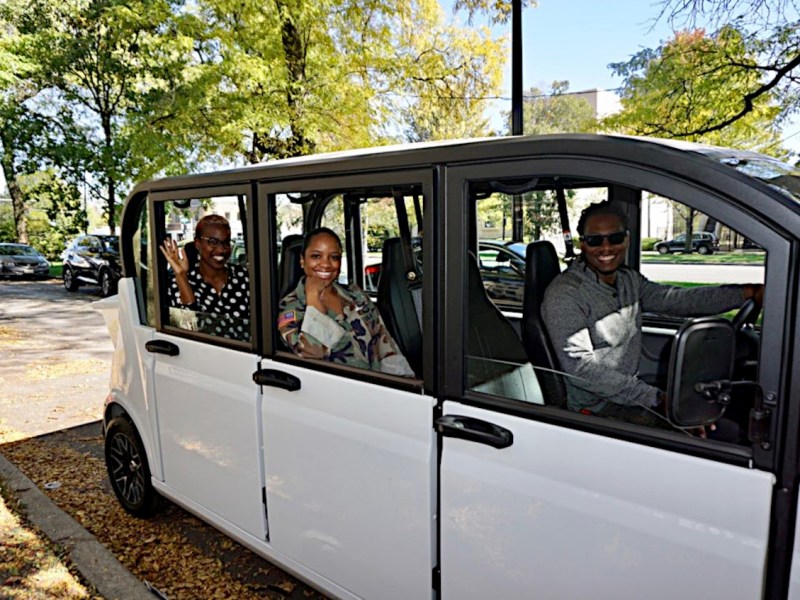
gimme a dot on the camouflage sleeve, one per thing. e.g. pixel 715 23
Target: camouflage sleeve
pixel 388 353
pixel 290 322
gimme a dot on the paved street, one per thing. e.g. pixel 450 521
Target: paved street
pixel 695 273
pixel 56 358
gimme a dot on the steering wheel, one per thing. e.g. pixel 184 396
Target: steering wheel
pixel 747 315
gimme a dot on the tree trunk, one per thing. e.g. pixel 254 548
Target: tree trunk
pixel 108 167
pixel 17 201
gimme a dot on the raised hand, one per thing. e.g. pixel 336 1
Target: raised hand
pixel 176 257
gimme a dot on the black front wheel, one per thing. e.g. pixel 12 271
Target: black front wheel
pixel 663 250
pixel 128 470
pixel 107 285
pixel 70 281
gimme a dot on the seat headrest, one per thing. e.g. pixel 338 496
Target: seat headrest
pixel 290 269
pixel 542 266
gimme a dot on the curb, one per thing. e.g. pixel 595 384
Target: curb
pixel 93 560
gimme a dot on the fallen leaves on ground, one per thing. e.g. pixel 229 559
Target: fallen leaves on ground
pixel 40 371
pixel 154 550
pixel 30 567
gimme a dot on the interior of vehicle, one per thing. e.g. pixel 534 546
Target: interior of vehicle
pixel 508 351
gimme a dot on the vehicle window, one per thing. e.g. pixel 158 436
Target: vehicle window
pixel 595 343
pixel 360 327
pixel 144 260
pixel 205 267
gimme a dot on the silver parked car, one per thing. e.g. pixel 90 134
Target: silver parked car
pixel 22 260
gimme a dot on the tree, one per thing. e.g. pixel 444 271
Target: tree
pixel 770 32
pixel 451 74
pixel 95 62
pixel 556 111
pixel 686 89
pixel 292 77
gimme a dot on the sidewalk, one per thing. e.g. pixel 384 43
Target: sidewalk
pixel 95 563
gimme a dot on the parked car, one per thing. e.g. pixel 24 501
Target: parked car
pixel 22 260
pixel 502 266
pixel 703 242
pixel 94 260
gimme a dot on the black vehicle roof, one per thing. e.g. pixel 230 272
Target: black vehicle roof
pixel 665 154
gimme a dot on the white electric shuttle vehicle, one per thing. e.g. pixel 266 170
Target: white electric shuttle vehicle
pixel 472 479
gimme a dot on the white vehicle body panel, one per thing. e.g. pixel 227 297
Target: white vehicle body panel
pixel 794 581
pixel 208 411
pixel 351 482
pixel 568 514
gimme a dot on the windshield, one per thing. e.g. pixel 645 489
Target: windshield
pixel 517 248
pixel 112 243
pixel 780 176
pixel 18 251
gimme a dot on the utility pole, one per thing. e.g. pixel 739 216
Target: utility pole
pixel 516 103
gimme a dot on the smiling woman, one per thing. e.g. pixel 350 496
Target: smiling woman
pixel 207 291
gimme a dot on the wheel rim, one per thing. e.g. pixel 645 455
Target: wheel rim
pixel 68 277
pixel 126 469
pixel 105 284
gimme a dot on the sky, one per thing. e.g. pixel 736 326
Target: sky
pixel 576 40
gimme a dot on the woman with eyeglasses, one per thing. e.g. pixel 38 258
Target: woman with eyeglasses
pixel 213 287
pixel 593 314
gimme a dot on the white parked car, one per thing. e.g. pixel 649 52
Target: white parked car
pixel 471 479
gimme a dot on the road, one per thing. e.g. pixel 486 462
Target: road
pixel 56 358
pixel 714 273
pixel 53 379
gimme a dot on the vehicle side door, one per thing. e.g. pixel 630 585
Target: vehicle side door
pixel 207 405
pixel 349 452
pixel 537 497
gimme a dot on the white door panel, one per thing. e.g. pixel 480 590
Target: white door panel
pixel 208 410
pixel 350 472
pixel 794 580
pixel 569 514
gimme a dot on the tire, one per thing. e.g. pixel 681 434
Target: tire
pixel 107 285
pixel 663 249
pixel 70 281
pixel 128 469
pixel 703 250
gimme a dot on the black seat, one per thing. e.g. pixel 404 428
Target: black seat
pixel 541 267
pixel 290 270
pixel 496 359
pixel 400 302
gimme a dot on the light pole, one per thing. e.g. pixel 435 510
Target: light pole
pixel 516 103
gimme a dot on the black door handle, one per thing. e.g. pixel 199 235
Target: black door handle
pixel 162 347
pixel 276 378
pixel 474 430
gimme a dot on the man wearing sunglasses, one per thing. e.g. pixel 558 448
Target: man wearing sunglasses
pixel 593 314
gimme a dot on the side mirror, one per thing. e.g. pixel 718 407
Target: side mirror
pixel 703 352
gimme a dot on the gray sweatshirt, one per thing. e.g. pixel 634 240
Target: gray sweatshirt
pixel 596 329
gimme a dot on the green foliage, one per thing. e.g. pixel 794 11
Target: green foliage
pixel 556 111
pixel 56 213
pixel 689 85
pixel 8 232
pixel 649 243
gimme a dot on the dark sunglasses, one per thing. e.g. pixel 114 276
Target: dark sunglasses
pixel 596 239
pixel 214 242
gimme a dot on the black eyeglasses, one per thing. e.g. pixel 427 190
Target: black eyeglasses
pixel 214 242
pixel 596 239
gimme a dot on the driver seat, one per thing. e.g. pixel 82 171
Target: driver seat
pixel 541 267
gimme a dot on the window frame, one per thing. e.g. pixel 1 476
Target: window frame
pixel 342 185
pixel 711 200
pixel 156 200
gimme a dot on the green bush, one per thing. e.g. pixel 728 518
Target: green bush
pixel 649 243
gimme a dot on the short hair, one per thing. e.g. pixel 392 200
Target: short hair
pixel 319 231
pixel 601 208
pixel 210 220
